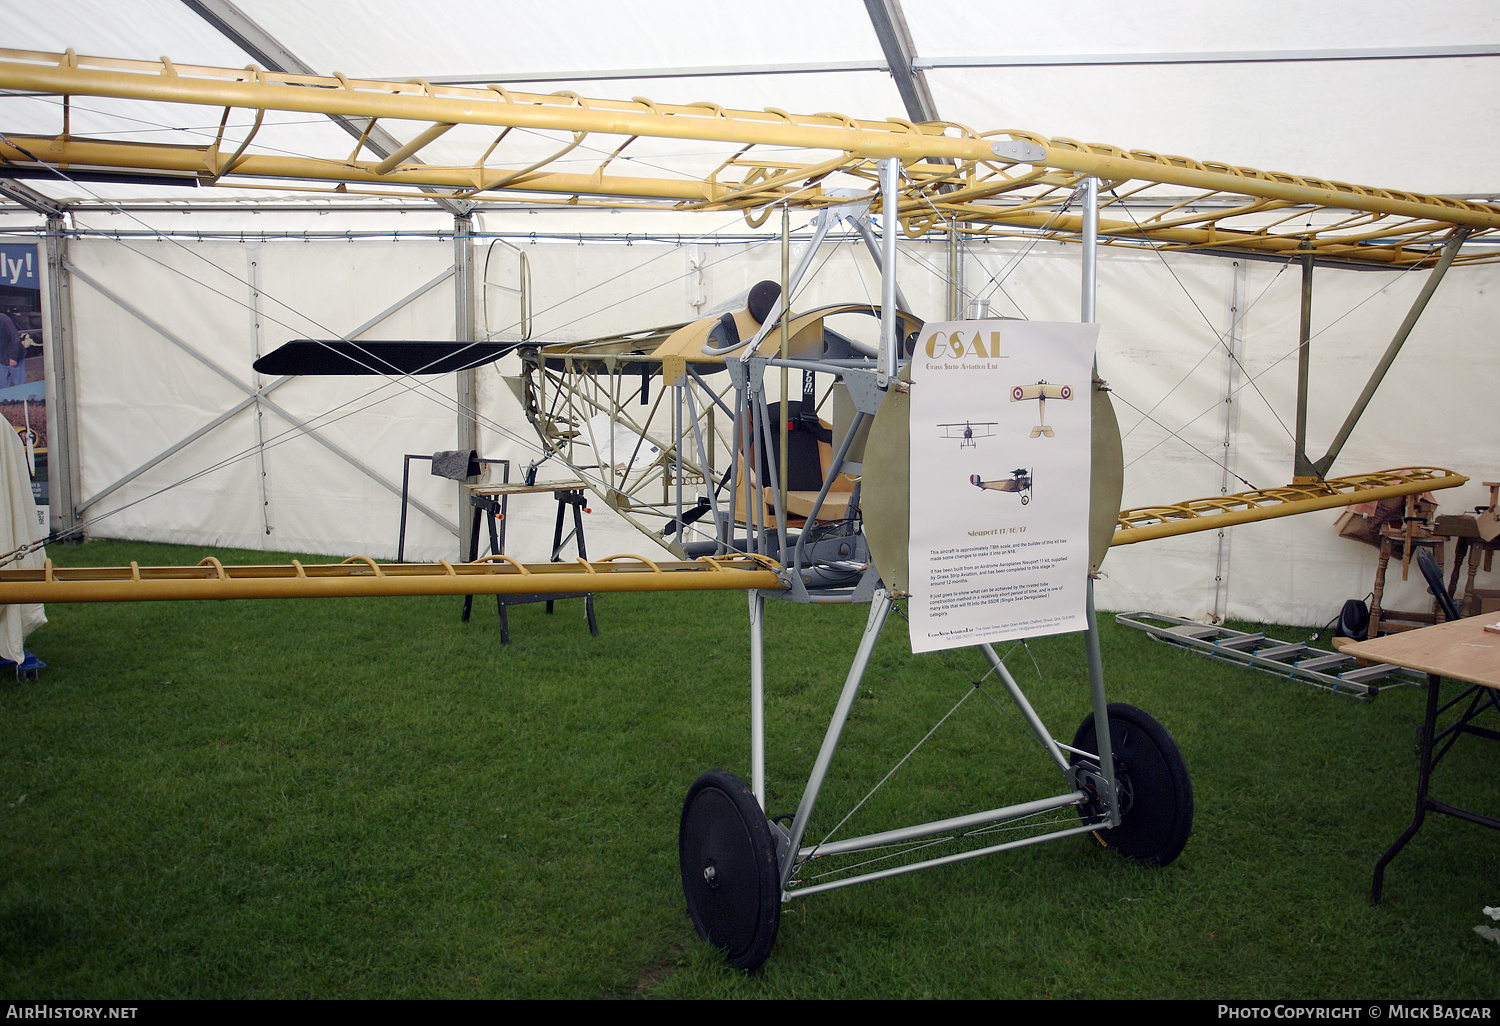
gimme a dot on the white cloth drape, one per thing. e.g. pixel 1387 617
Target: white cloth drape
pixel 18 526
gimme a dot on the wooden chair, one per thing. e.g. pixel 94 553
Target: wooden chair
pixel 1403 540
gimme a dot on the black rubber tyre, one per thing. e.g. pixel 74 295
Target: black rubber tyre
pixel 1156 795
pixel 730 874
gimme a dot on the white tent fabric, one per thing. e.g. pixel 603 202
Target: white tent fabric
pixel 255 481
pixel 1162 349
pixel 169 308
pixel 1407 123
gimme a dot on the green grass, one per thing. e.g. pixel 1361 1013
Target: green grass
pixel 371 799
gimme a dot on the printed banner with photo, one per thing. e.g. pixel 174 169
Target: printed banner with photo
pixel 23 389
pixel 1000 445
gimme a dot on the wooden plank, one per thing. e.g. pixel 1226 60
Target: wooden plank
pixel 1460 650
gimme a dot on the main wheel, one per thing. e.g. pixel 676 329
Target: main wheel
pixel 1156 795
pixel 730 874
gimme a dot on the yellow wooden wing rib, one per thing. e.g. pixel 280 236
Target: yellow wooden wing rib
pixel 1146 522
pixel 362 576
pixel 464 143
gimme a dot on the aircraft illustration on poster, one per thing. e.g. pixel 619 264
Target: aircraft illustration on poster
pixel 968 431
pixel 1041 392
pixel 1019 480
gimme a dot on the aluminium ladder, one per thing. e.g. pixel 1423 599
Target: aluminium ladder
pixel 1332 671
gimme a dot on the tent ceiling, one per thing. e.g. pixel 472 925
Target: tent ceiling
pixel 1414 123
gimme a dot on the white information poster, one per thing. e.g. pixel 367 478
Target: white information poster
pixel 1000 445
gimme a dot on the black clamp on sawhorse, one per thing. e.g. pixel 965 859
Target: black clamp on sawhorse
pixel 491 502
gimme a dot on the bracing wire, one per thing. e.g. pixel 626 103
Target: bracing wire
pixel 976 686
pixel 406 384
pixel 327 417
pixel 1218 335
pixel 1176 434
pixel 996 283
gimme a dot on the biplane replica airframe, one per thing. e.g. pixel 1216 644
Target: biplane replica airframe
pixel 748 488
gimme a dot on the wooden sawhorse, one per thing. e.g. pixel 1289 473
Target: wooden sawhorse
pixel 491 502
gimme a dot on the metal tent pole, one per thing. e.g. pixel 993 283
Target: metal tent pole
pixel 468 380
pixel 63 461
pixel 889 362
